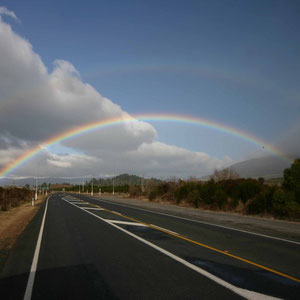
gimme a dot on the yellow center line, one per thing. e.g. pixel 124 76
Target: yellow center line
pixel 203 245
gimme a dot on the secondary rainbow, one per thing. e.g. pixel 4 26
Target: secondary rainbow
pixel 134 118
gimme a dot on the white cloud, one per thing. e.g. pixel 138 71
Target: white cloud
pixel 36 104
pixel 5 12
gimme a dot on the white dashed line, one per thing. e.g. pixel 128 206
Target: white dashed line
pixel 126 223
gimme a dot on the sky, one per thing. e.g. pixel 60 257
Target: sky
pixel 67 63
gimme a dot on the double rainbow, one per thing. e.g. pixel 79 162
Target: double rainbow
pixel 144 117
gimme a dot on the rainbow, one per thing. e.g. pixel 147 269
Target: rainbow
pixel 134 118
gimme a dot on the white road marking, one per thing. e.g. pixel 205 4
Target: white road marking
pixel 164 229
pixel 30 282
pixel 93 208
pixel 242 292
pixel 125 223
pixel 202 222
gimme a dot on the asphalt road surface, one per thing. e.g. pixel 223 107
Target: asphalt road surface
pixel 82 247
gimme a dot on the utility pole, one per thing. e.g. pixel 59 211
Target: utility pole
pixel 79 189
pixel 99 191
pixel 36 189
pixel 113 181
pixel 92 191
pixel 142 185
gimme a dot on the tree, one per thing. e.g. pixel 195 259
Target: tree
pixel 291 180
pixel 225 174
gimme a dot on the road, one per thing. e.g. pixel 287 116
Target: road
pixel 82 247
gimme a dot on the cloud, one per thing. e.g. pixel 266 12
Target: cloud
pixel 149 159
pixel 5 12
pixel 36 104
pixel 289 142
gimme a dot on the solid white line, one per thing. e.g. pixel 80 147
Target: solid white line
pixel 164 229
pixel 30 282
pixel 242 292
pixel 125 223
pixel 202 222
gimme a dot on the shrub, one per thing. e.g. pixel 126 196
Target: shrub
pixel 248 189
pixel 207 191
pixel 12 197
pixel 135 191
pixel 291 180
pixel 221 198
pixel 193 197
pixel 181 193
pixel 152 195
pixel 293 210
pixel 258 204
pixel 281 199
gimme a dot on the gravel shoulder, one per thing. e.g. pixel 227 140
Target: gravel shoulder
pixel 268 226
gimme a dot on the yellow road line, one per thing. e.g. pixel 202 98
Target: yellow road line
pixel 203 245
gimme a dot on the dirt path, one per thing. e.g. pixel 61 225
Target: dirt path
pixel 12 224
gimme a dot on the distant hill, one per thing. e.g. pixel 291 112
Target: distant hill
pixel 267 167
pixel 122 179
pixel 31 181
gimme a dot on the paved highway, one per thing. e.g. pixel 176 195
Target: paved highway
pixel 82 247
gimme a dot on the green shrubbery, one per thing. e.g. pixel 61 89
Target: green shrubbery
pixel 12 197
pixel 248 195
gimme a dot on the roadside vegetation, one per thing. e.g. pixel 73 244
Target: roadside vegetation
pixel 225 191
pixel 12 197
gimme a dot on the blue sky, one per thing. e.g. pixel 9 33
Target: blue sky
pixel 235 62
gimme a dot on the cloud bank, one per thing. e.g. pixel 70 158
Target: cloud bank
pixel 36 104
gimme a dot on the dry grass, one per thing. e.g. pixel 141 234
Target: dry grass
pixel 12 224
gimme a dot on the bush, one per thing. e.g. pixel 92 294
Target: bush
pixel 135 191
pixel 221 198
pixel 291 180
pixel 193 197
pixel 292 210
pixel 281 200
pixel 258 204
pixel 152 195
pixel 207 191
pixel 248 189
pixel 181 193
pixel 12 197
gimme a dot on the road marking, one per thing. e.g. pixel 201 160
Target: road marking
pixel 242 292
pixel 164 229
pixel 211 248
pixel 30 282
pixel 125 222
pixel 93 208
pixel 202 222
